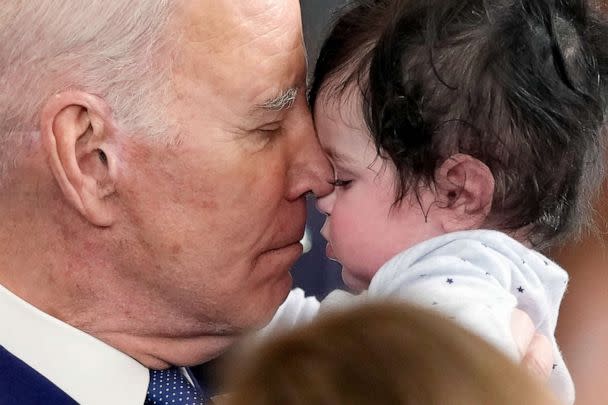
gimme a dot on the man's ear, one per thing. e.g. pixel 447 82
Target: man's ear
pixel 77 132
pixel 464 189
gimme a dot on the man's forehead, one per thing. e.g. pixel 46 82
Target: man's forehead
pixel 249 55
pixel 225 23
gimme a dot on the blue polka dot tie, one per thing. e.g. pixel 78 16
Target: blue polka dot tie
pixel 170 387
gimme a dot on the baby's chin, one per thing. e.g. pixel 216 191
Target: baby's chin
pixel 354 282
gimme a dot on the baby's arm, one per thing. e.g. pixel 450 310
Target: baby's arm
pixel 480 286
pixel 472 282
pixel 480 305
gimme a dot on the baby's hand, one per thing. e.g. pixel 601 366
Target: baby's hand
pixel 534 348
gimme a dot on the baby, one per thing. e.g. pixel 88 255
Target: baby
pixel 465 139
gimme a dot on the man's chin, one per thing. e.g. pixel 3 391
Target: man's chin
pixel 280 293
pixel 268 298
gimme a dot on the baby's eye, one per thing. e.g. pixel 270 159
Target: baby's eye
pixel 340 183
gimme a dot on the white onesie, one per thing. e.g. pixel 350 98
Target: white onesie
pixel 476 278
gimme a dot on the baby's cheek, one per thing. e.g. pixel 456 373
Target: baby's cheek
pixel 355 247
pixel 343 236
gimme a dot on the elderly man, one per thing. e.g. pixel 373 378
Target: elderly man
pixel 154 162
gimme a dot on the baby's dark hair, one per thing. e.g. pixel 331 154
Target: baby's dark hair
pixel 518 84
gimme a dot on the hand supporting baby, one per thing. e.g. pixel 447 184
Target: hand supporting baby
pixel 535 348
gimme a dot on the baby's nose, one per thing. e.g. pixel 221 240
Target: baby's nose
pixel 325 204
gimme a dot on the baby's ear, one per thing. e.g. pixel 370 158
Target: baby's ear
pixel 464 188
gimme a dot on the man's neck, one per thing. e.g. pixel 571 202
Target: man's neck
pixel 162 352
pixel 115 318
pixel 71 275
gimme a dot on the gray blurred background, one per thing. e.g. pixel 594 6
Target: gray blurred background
pixel 313 272
pixel 316 14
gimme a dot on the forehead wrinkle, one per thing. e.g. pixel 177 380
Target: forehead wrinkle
pixel 225 25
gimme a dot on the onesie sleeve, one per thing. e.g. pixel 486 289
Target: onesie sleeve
pixel 297 309
pixel 468 286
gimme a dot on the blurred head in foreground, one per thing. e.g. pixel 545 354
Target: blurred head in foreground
pixel 383 353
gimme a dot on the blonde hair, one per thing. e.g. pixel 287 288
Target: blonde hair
pixel 110 48
pixel 382 353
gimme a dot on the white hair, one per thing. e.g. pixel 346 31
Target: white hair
pixel 111 48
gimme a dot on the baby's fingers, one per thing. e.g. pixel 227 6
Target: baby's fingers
pixel 523 331
pixel 534 349
pixel 539 357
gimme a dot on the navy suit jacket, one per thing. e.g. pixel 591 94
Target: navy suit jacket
pixel 22 385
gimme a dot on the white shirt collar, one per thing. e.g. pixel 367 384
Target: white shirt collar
pixel 85 368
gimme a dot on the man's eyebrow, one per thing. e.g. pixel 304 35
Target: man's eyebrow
pixel 283 101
